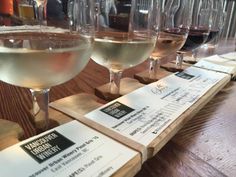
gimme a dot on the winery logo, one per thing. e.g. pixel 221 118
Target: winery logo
pixel 184 75
pixel 117 110
pixel 47 146
pixel 160 88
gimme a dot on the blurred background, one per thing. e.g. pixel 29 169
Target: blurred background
pixel 9 10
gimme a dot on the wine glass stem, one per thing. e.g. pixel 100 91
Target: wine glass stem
pixel 40 107
pixel 194 55
pixel 154 66
pixel 115 77
pixel 179 60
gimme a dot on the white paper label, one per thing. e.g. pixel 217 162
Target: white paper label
pixel 143 114
pixel 217 63
pixel 70 150
pixel 229 56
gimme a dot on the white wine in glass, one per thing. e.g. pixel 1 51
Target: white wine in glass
pixel 38 62
pixel 47 50
pixel 115 50
pixel 118 47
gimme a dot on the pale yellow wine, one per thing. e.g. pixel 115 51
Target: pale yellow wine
pixel 117 51
pixel 168 43
pixel 37 60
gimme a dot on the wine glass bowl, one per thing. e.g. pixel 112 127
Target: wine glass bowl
pixel 49 45
pixel 29 59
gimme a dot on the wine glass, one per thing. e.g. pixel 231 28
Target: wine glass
pixel 175 23
pixel 124 39
pixel 217 19
pixel 199 29
pixel 46 44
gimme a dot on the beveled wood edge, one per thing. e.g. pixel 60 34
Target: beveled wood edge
pixel 11 133
pixel 131 168
pixel 8 141
pixel 172 129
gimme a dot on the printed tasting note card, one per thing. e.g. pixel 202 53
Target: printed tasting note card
pixel 143 114
pixel 70 150
pixel 219 63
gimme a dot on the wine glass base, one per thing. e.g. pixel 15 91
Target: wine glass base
pixel 171 67
pixel 144 78
pixel 190 61
pixel 127 85
pixel 103 93
pixel 40 124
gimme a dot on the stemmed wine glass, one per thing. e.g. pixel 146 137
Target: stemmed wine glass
pixel 123 40
pixel 217 18
pixel 48 44
pixel 175 23
pixel 199 29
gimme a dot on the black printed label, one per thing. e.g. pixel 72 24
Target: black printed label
pixel 184 75
pixel 117 110
pixel 47 146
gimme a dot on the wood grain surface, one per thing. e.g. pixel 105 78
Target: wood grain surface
pixel 211 135
pixel 206 146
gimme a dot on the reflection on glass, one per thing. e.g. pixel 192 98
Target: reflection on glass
pixel 124 37
pixel 45 50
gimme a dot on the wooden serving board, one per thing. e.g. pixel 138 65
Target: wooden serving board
pixel 70 106
pixel 75 106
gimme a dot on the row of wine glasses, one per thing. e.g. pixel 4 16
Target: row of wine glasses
pixel 191 27
pixel 48 42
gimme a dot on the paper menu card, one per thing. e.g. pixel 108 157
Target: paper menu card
pixel 218 63
pixel 146 112
pixel 70 150
pixel 229 56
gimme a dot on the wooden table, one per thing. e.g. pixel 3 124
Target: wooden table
pixel 206 146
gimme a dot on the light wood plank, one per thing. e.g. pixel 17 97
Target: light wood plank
pixel 10 133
